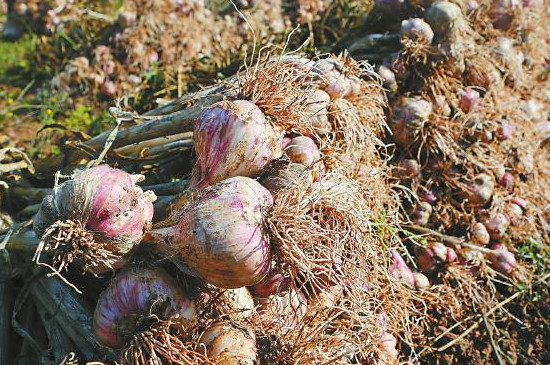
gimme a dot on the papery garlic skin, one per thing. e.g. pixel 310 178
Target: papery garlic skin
pixel 239 302
pixel 107 204
pixel 421 281
pixel 134 296
pixel 220 236
pixel 479 191
pixel 443 16
pixel 233 138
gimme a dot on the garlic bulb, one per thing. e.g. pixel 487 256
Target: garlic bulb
pixel 318 104
pixel 400 270
pixel 502 260
pixel 407 169
pixel 239 303
pixel 388 78
pixel 469 99
pixel 137 297
pixel 334 81
pixel 94 218
pixel 431 258
pixel 416 30
pixel 408 116
pixel 273 283
pixel 497 225
pixel 233 138
pixel 228 345
pixel 421 214
pixel 304 151
pixel 479 191
pixel 387 346
pixel 219 236
pixel 421 281
pixel 281 175
pixel 480 235
pixel 283 313
pixel 443 16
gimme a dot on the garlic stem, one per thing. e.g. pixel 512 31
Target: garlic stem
pixel 71 313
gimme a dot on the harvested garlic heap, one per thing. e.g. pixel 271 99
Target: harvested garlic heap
pixel 274 234
pixel 462 120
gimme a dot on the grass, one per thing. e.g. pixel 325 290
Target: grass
pixel 15 55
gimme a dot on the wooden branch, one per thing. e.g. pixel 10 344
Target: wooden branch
pixel 450 240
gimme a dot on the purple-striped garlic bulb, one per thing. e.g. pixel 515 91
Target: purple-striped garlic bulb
pixel 94 219
pixel 497 225
pixel 501 13
pixel 136 300
pixel 233 138
pixel 416 30
pixel 227 344
pixel 304 151
pixel 219 236
pixel 274 283
pixel 335 82
pixel 502 260
pixel 408 117
pixel 479 191
pixel 431 258
pixel 482 76
pixel 400 270
pixel 469 100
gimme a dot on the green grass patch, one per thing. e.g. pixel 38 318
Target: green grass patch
pixel 14 55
